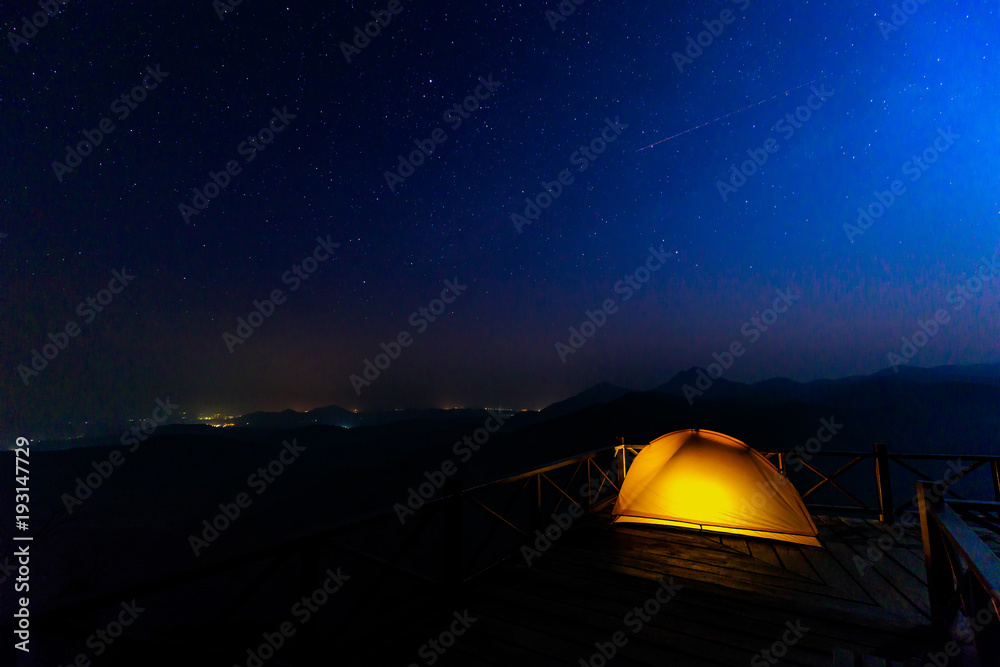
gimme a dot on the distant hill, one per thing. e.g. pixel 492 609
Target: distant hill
pixel 283 419
pixel 719 388
pixel 966 395
pixel 596 395
pixel 911 417
pixel 334 415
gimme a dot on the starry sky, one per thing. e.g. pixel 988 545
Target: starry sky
pixel 554 89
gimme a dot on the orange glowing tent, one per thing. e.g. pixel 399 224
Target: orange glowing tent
pixel 708 481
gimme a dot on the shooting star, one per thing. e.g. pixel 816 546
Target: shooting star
pixel 731 113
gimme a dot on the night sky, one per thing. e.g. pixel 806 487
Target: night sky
pixel 268 91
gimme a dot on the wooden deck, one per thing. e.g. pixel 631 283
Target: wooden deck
pixel 737 597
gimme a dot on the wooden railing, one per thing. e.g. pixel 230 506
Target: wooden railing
pixel 464 532
pixel 963 573
pixel 810 477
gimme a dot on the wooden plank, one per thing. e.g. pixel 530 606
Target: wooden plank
pixel 732 600
pixel 706 541
pixel 829 627
pixel 888 598
pixel 765 552
pixel 903 581
pixel 684 613
pixel 833 574
pixel 599 624
pixel 911 558
pixel 870 530
pixel 801 602
pixel 742 572
pixel 908 550
pixel 735 543
pixel 887 564
pixel 792 558
pixel 751 610
pixel 734 560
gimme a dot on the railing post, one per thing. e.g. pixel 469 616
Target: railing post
pixel 622 467
pixel 988 638
pixel 995 474
pixel 939 578
pixel 454 539
pixel 886 512
pixel 781 463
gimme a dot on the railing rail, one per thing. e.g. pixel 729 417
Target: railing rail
pixel 482 526
pixel 963 573
pixel 883 465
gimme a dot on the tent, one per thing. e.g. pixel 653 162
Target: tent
pixel 708 481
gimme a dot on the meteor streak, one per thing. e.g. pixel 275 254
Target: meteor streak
pixel 731 113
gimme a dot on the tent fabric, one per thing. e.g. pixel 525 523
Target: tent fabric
pixel 709 481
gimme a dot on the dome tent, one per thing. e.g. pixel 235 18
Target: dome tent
pixel 708 481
